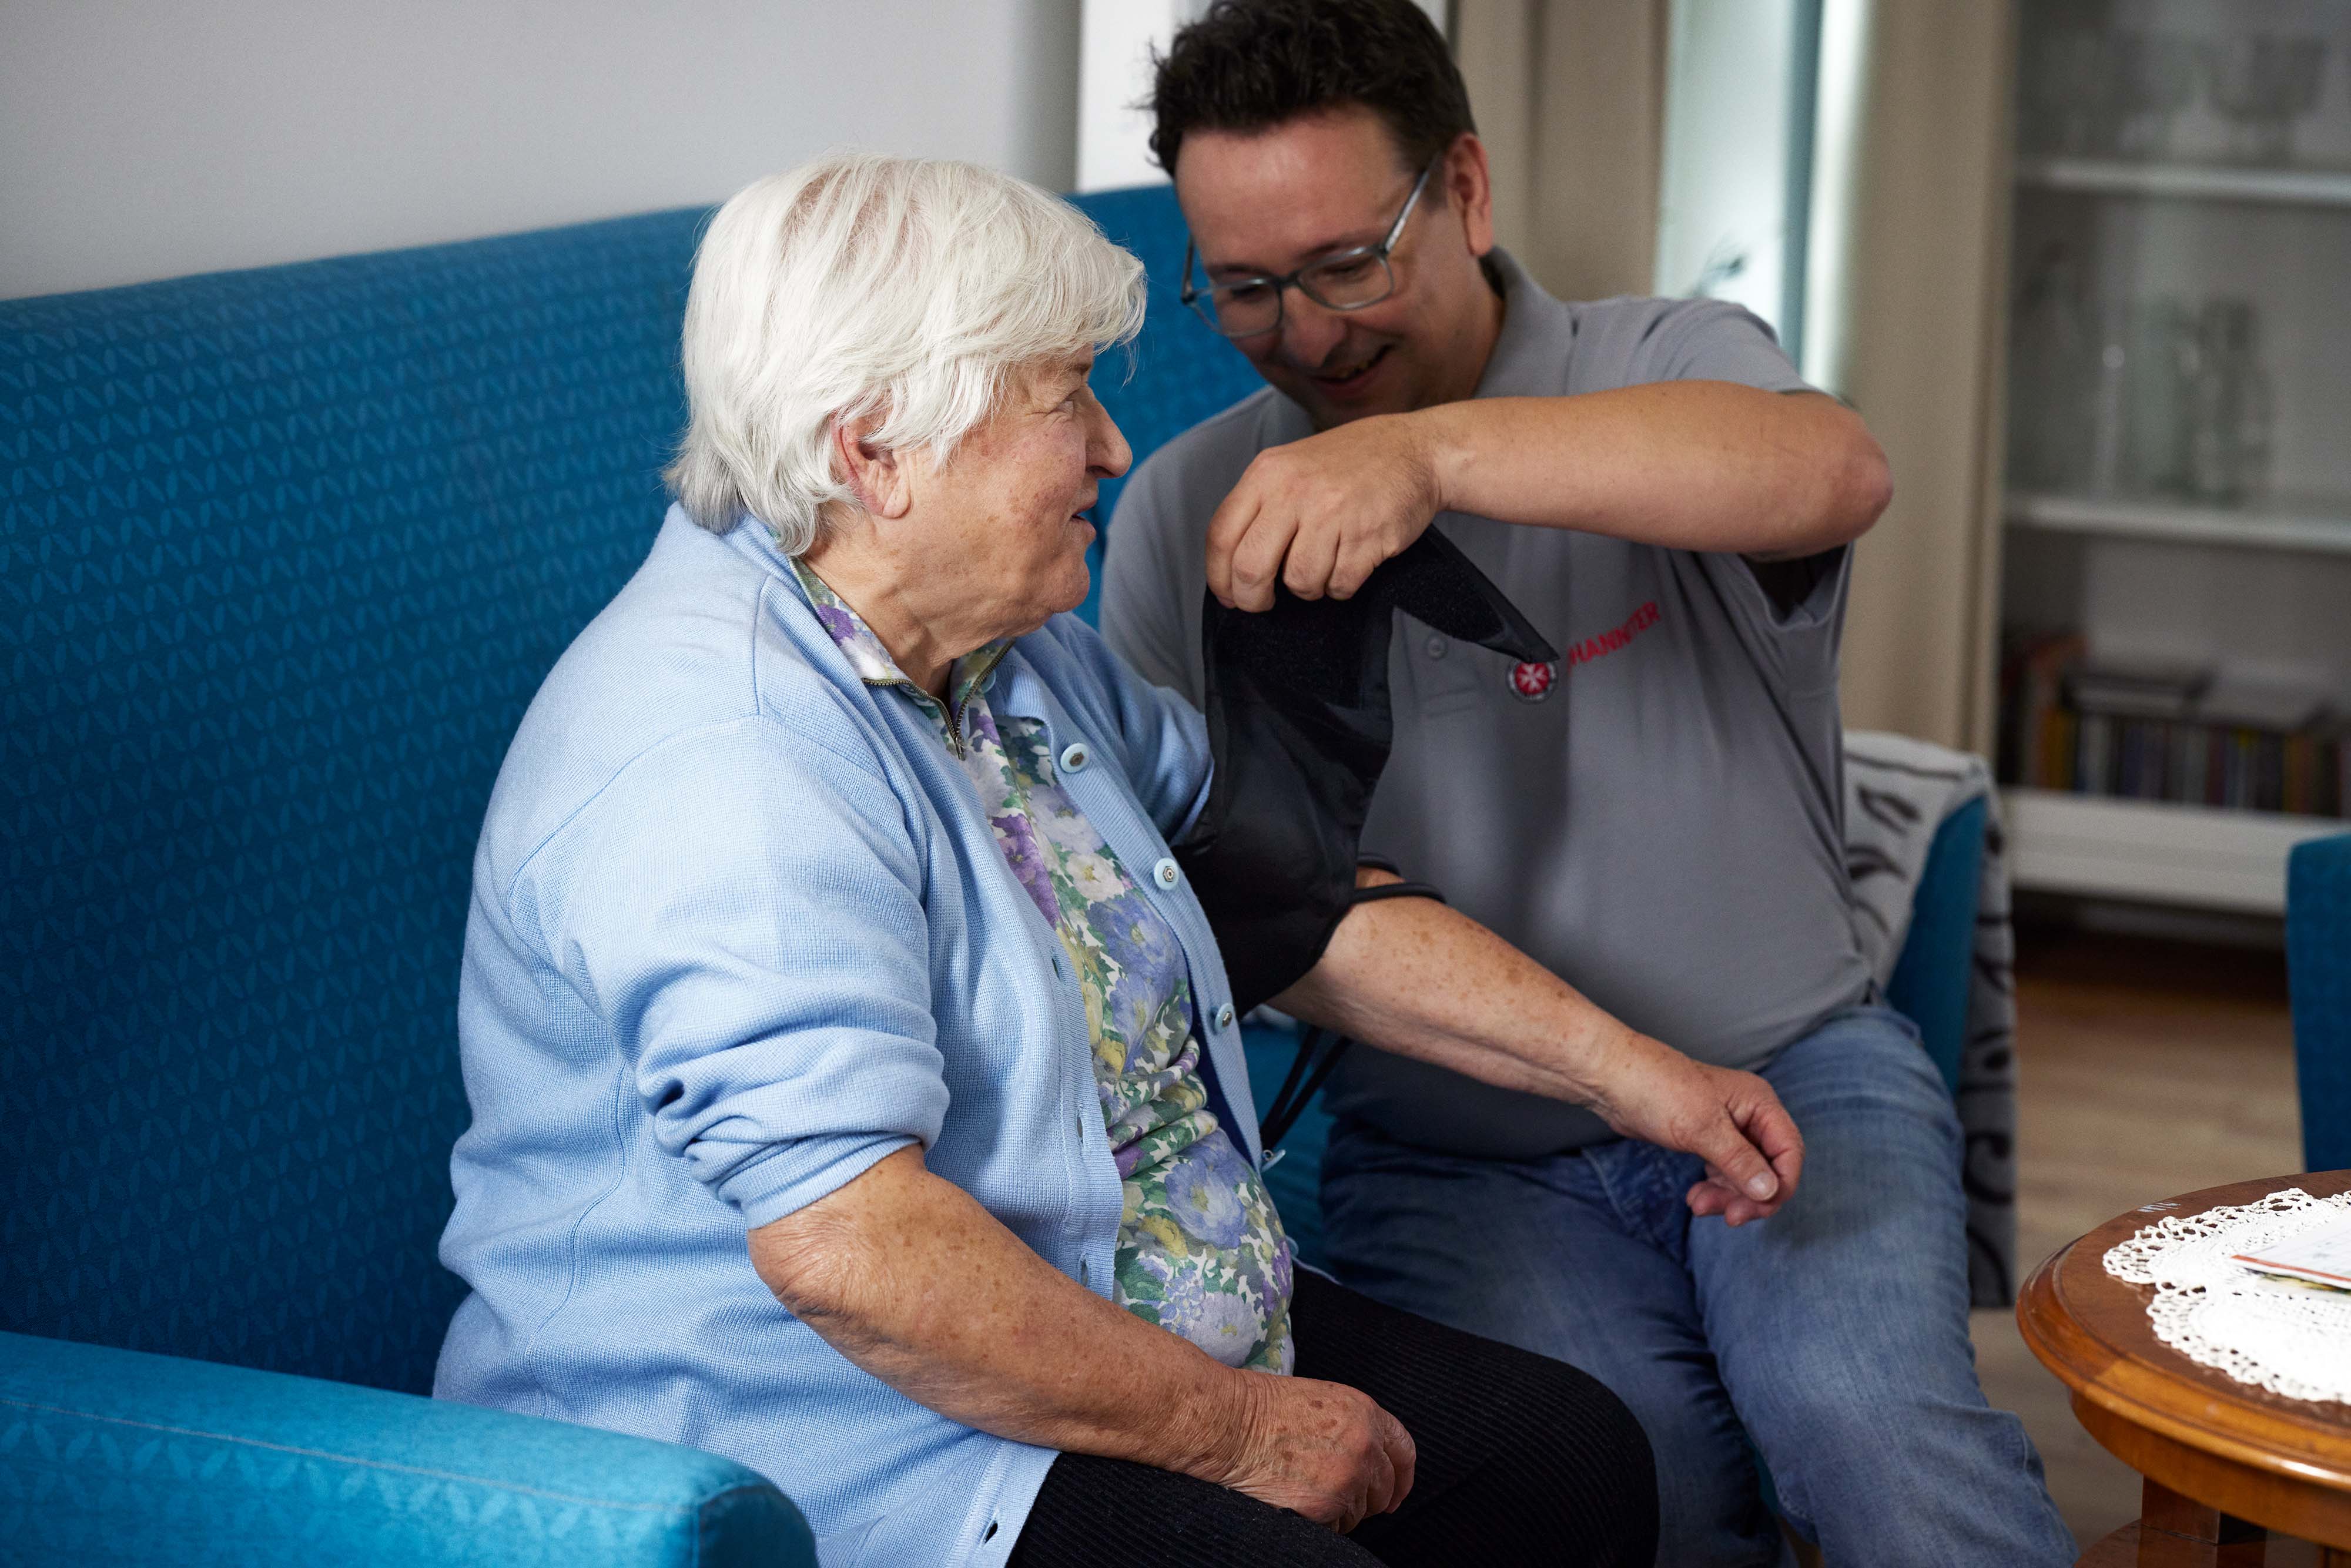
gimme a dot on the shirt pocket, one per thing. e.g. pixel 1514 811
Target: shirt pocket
pixel 1432 673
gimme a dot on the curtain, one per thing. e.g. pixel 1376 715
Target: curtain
pixel 1906 317
pixel 1570 100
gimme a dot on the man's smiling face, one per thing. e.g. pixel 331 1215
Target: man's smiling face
pixel 1275 200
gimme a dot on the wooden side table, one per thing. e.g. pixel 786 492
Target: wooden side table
pixel 2225 1462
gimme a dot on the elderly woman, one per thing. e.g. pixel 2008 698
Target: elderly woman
pixel 855 1086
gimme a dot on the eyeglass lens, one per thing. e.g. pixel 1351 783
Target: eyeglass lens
pixel 1342 283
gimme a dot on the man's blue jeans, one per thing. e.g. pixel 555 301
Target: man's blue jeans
pixel 1834 1334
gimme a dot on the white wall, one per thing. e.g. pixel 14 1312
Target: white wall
pixel 143 139
pixel 1113 136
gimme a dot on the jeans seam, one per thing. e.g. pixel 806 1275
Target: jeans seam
pixel 1602 1177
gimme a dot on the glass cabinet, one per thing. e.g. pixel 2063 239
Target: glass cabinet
pixel 2175 593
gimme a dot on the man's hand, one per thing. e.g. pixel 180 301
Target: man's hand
pixel 1732 1121
pixel 1322 512
pixel 1322 1449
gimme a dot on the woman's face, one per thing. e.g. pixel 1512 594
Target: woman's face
pixel 1001 522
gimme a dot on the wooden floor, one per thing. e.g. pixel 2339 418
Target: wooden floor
pixel 2147 1068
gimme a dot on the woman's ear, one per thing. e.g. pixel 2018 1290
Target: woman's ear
pixel 872 472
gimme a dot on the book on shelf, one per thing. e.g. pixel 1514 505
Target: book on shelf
pixel 2189 737
pixel 2033 711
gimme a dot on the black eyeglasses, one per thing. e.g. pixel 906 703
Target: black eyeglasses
pixel 1244 306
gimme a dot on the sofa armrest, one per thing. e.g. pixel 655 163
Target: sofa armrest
pixel 1936 971
pixel 2318 969
pixel 112 1455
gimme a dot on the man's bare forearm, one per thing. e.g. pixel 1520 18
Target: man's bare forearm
pixel 1415 977
pixel 1693 464
pixel 907 1276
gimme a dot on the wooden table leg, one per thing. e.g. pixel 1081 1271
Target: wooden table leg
pixel 2175 1531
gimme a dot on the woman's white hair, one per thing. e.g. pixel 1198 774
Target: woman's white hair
pixel 859 286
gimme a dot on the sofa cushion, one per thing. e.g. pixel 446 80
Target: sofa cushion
pixel 113 1457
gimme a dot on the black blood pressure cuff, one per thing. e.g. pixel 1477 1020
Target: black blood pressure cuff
pixel 1300 726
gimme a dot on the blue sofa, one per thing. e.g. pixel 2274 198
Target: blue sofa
pixel 288 553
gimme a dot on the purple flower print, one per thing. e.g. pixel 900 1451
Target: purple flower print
pixel 1018 840
pixel 1204 1193
pixel 841 624
pixel 979 724
pixel 1132 932
pixel 1150 962
pixel 1132 1002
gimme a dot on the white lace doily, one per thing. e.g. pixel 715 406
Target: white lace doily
pixel 2288 1338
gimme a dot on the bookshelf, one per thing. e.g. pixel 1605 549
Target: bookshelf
pixel 2154 852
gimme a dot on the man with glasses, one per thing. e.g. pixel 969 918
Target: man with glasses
pixel 1656 817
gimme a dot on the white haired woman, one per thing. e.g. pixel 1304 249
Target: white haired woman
pixel 856 1090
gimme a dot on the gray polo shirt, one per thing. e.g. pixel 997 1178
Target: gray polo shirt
pixel 1658 818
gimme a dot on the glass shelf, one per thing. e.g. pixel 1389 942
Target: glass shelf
pixel 2210 181
pixel 2308 525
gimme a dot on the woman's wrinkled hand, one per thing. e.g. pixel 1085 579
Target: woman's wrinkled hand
pixel 1753 1153
pixel 1320 1449
pixel 1319 515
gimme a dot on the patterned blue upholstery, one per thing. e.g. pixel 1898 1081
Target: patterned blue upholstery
pixel 109 1456
pixel 2318 968
pixel 288 553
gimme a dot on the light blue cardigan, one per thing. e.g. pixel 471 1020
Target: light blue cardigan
pixel 738 931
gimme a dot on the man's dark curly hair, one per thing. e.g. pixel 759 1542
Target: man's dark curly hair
pixel 1249 64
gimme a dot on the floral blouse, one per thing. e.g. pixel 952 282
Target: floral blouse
pixel 1200 1250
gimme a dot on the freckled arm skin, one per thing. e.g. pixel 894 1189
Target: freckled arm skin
pixel 907 1276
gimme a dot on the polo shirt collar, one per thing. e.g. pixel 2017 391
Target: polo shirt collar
pixel 1537 335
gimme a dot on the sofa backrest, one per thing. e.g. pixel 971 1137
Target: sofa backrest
pixel 288 553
